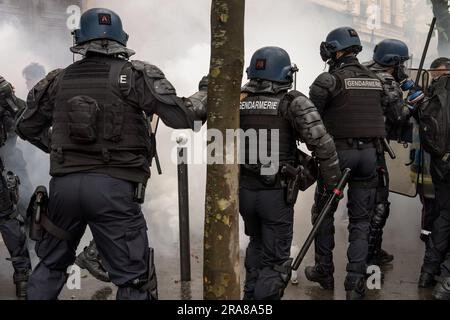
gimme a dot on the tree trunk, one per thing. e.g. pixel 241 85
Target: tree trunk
pixel 221 268
pixel 442 14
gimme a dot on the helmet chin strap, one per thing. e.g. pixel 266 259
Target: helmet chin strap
pixel 74 42
pixel 295 70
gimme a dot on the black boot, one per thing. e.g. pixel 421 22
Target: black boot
pixel 89 259
pixel 319 275
pixel 21 282
pixel 381 258
pixel 426 280
pixel 442 289
pixel 355 291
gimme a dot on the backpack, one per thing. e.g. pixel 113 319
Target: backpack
pixel 435 120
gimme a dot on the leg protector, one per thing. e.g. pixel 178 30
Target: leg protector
pixel 148 283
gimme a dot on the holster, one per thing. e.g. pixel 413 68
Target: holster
pixel 292 177
pixel 38 206
pixel 139 193
pixel 40 223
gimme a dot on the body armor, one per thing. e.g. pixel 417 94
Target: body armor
pixel 261 112
pixel 91 118
pixel 356 111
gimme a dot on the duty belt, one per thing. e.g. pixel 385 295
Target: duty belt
pixel 355 143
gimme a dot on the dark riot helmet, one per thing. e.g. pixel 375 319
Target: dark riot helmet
pixel 100 23
pixel 391 53
pixel 272 64
pixel 338 40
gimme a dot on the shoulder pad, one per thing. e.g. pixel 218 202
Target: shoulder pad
pixel 385 77
pixel 326 81
pixel 36 94
pixel 148 69
pixel 155 80
pixel 291 96
pixel 302 106
pixel 41 87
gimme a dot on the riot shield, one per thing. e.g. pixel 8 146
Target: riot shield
pixel 402 178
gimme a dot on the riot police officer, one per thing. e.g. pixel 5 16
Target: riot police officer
pixel 11 219
pixel 348 97
pixel 91 118
pixel 435 140
pixel 389 64
pixel 267 198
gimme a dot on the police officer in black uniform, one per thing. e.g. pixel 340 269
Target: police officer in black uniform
pixel 432 111
pixel 11 220
pixel 348 97
pixel 389 64
pixel 91 118
pixel 268 188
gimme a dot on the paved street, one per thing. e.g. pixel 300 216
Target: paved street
pixel 400 277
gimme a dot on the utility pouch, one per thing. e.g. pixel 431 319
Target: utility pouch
pixel 83 119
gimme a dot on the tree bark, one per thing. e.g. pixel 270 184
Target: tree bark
pixel 221 270
pixel 442 14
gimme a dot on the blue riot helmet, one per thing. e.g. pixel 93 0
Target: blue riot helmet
pixel 272 64
pixel 100 23
pixel 391 52
pixel 340 39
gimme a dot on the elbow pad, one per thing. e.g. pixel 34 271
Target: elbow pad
pixel 155 80
pixel 330 171
pixel 307 121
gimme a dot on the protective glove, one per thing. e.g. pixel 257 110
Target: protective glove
pixel 330 172
pixel 415 97
pixel 203 84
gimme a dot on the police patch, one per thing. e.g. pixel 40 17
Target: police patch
pixel 363 84
pixel 353 33
pixel 260 64
pixel 104 19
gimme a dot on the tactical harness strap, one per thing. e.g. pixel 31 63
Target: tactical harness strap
pixel 56 231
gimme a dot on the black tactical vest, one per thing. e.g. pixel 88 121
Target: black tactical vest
pixel 355 111
pixel 91 121
pixel 262 112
